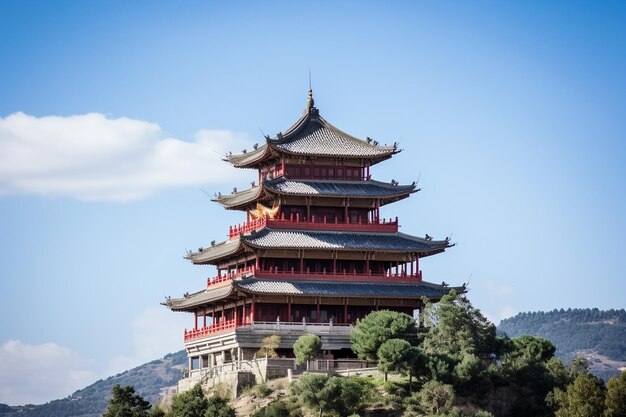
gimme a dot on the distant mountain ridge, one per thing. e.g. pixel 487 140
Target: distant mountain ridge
pixel 598 335
pixel 149 379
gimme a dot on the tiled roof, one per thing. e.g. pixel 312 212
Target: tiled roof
pixel 206 255
pixel 336 188
pixel 329 288
pixel 312 135
pixel 190 301
pixel 241 197
pixel 331 188
pixel 243 159
pixel 395 242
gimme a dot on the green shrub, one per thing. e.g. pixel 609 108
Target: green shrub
pixel 278 408
pixel 218 407
pixel 263 390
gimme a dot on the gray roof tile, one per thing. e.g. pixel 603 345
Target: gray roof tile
pixel 329 288
pixel 336 188
pixel 312 135
pixel 315 136
pixel 396 242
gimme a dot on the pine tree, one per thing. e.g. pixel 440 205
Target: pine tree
pixel 615 401
pixel 125 403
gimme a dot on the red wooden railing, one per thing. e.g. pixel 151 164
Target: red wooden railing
pixel 342 275
pixel 214 328
pixel 247 227
pixel 230 275
pixel 315 223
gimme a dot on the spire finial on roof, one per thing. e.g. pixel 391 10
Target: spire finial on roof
pixel 309 101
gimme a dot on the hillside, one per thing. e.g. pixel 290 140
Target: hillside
pixel 149 380
pixel 600 336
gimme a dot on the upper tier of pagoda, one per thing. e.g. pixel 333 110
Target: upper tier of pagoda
pixel 312 136
pixel 271 189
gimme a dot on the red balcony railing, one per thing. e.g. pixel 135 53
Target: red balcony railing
pixel 247 227
pixel 315 223
pixel 340 275
pixel 230 275
pixel 214 328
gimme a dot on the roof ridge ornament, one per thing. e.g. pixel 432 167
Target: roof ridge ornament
pixel 310 103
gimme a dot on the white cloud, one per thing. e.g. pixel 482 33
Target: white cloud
pixel 155 333
pixel 92 157
pixel 39 373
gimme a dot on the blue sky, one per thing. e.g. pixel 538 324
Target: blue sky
pixel 113 115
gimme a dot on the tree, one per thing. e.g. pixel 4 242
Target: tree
pixel 218 407
pixel 583 398
pixel 468 369
pixel 533 348
pixel 190 403
pixel 125 403
pixel 312 392
pixel 455 327
pixel 436 398
pixel 393 356
pixel 269 345
pixel 307 347
pixel 376 328
pixel 341 395
pixel 615 401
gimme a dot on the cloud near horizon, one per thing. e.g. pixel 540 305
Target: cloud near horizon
pixel 35 374
pixel 94 158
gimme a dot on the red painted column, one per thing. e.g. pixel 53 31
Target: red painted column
pixel 245 318
pixel 345 310
pixel 235 315
pixel 252 312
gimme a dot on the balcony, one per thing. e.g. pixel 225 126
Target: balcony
pixel 216 328
pixel 273 327
pixel 315 223
pixel 343 275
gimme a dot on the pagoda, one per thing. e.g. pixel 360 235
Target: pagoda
pixel 313 255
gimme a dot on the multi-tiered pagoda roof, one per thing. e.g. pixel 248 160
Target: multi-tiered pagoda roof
pixel 313 249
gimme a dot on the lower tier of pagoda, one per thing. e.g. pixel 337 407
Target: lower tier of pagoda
pixel 289 304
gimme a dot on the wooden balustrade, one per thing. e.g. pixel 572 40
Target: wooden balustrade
pixel 214 328
pixel 342 275
pixel 230 275
pixel 315 223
